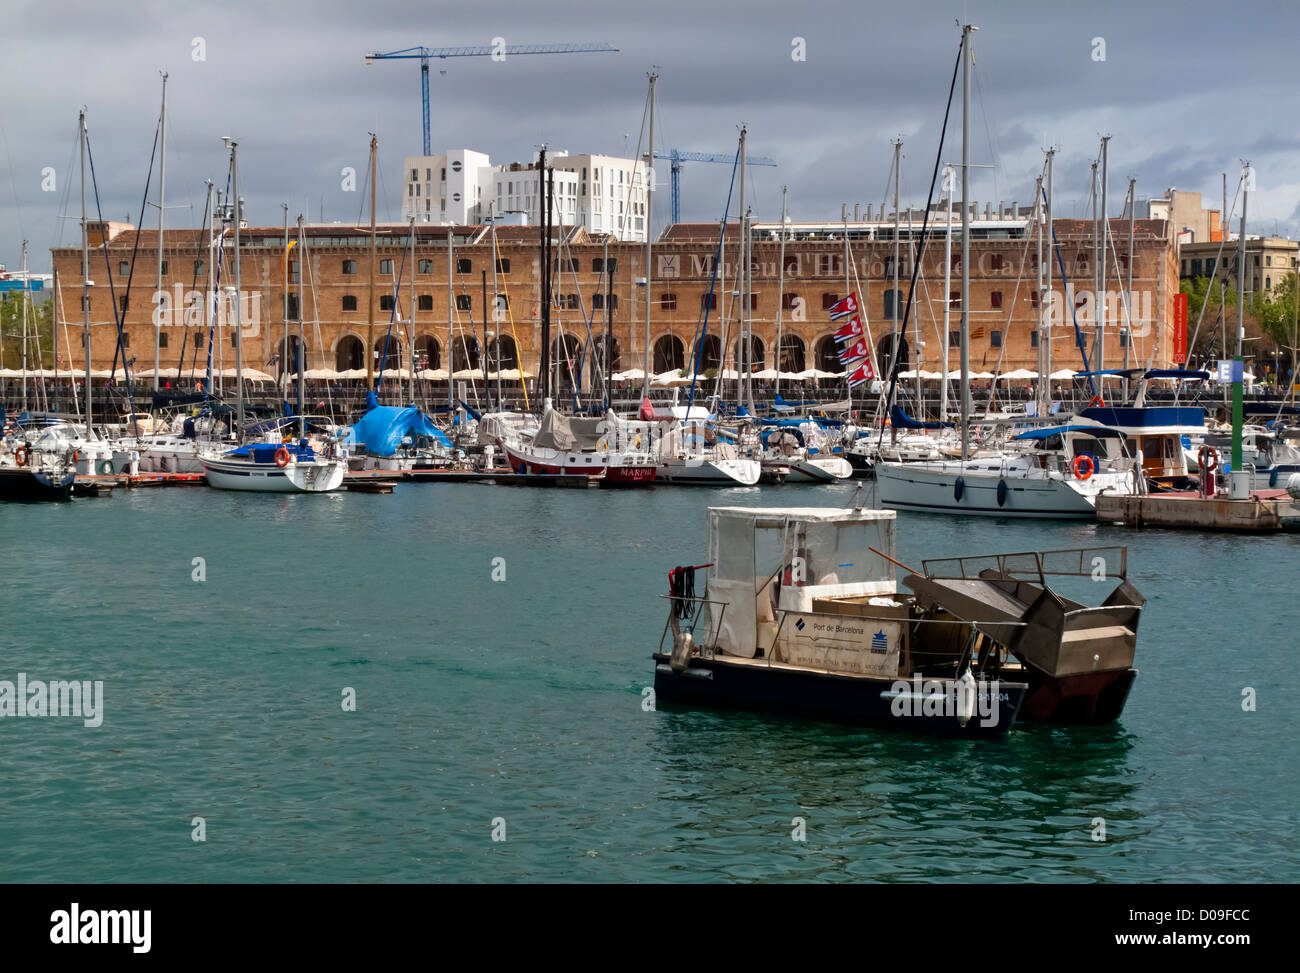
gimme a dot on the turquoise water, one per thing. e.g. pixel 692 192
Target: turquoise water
pixel 521 700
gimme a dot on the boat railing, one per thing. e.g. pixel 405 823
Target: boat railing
pixel 694 608
pixel 1095 562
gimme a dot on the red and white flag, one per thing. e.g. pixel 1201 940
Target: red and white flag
pixel 844 308
pixel 850 330
pixel 863 373
pixel 850 352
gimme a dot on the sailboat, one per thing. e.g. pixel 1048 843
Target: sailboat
pixel 284 465
pixel 1053 473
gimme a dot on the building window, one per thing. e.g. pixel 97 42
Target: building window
pixel 349 302
pixel 572 302
pixel 708 302
pixel 123 268
pixel 198 339
pixel 893 303
pixel 463 302
pixel 1123 339
pixel 668 302
pixel 503 265
pixel 162 339
pixel 385 302
pixel 996 261
pixel 1196 268
pixel 123 304
pixel 954 339
pixel 349 266
pixel 292 312
pixel 995 300
pixel 788 301
pixel 415 174
pixel 164 268
pixel 1268 262
pixel 1209 267
pixel 386 267
pixel 829 300
pixel 828 264
pixel 198 267
pixel 464 266
pixel 995 339
pixel 600 266
pixel 426 266
pixel 1033 299
pixel 426 302
pixel 1033 339
pixel 573 264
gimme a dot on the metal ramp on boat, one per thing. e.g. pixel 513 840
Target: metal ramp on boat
pixel 1008 598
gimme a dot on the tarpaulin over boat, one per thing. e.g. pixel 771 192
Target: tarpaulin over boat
pixel 569 432
pixel 383 428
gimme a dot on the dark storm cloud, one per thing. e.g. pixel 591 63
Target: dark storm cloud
pixel 1185 92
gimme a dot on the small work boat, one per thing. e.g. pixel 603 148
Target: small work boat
pixel 801 613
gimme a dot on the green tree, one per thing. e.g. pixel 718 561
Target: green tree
pixel 40 331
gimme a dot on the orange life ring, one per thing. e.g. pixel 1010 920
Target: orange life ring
pixel 1208 459
pixel 1080 462
pixel 21 455
pixel 281 457
pixel 1096 400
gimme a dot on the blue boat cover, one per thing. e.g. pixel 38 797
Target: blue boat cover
pixel 901 420
pixel 382 429
pixel 1048 433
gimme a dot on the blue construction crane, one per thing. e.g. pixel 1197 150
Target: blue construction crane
pixel 677 157
pixel 497 51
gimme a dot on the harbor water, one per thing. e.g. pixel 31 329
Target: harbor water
pixel 497 645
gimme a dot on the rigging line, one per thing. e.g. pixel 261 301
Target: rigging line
pixel 67 342
pixel 1217 259
pixel 901 329
pixel 1006 328
pixel 185 333
pixel 135 249
pixel 218 258
pixel 13 186
pixel 392 314
pixel 988 130
pixel 118 317
pixel 703 325
pixel 1074 311
pixel 510 316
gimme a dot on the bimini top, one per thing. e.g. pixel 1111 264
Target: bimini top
pixel 806 514
pixel 1099 432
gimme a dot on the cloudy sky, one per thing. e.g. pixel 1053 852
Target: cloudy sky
pixel 1186 89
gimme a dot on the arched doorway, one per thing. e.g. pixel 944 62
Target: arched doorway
pixel 388 353
pixel 669 354
pixel 755 359
pixel 428 353
pixel 287 356
pixel 792 356
pixel 828 355
pixel 350 353
pixel 566 360
pixel 885 354
pixel 708 351
pixel 502 354
pixel 464 353
pixel 607 354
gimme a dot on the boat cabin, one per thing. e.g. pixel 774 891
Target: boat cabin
pixel 769 562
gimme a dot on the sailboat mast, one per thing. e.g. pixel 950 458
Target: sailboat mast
pixel 162 196
pixel 26 300
pixel 741 356
pixel 284 282
pixel 410 363
pixel 1038 219
pixel 1101 268
pixel 780 293
pixel 965 241
pixel 85 279
pixel 370 300
pixel 648 180
pixel 450 357
pixel 300 352
pixel 1046 339
pixel 948 175
pixel 545 362
pixel 893 300
pixel 239 325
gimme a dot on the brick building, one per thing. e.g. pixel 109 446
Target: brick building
pixel 336 296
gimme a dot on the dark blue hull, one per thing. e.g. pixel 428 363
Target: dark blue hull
pixel 30 486
pixel 867 701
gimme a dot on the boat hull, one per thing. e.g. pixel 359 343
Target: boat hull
pixel 319 477
pixel 865 701
pixel 1095 697
pixel 35 486
pixel 722 472
pixel 615 470
pixel 820 469
pixel 917 487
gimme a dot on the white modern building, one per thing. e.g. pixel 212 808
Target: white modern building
pixel 603 194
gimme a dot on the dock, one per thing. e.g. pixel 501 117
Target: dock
pixel 1263 510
